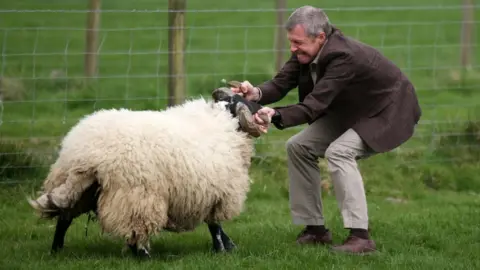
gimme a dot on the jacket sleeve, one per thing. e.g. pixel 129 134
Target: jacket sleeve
pixel 338 74
pixel 285 80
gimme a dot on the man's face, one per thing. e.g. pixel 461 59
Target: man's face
pixel 305 47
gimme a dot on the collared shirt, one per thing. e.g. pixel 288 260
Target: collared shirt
pixel 313 64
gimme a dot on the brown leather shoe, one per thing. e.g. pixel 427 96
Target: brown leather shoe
pixel 309 237
pixel 356 245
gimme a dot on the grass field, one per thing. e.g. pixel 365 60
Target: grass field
pixel 424 198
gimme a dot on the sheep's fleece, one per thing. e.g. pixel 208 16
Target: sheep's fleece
pixel 170 169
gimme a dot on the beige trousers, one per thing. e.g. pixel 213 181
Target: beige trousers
pixel 341 149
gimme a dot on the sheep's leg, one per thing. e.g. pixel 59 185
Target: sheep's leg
pixel 221 241
pixel 63 223
pixel 133 213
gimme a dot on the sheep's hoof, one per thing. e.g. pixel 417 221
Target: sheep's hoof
pixel 221 241
pixel 143 254
pixel 140 253
pixel 218 247
pixel 229 245
pixel 227 242
pixel 55 250
pixel 223 245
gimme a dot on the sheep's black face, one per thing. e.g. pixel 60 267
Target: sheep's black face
pixel 222 94
pixel 226 94
pixel 239 107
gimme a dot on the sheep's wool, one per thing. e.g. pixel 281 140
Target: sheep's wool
pixel 157 169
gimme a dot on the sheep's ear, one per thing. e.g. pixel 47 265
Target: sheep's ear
pixel 222 93
pixel 246 121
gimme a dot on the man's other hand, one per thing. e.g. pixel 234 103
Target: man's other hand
pixel 266 111
pixel 247 90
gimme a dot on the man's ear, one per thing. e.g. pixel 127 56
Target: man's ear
pixel 321 37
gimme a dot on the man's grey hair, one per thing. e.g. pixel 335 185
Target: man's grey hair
pixel 313 19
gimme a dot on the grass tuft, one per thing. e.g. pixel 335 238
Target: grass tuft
pixel 11 89
pixel 17 162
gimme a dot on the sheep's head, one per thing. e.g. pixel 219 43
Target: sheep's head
pixel 241 108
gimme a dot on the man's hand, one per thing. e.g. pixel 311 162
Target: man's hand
pixel 269 112
pixel 247 90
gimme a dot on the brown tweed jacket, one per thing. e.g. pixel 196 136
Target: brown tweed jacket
pixel 354 81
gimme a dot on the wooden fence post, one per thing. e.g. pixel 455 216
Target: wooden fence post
pixel 280 34
pixel 176 46
pixel 93 23
pixel 466 38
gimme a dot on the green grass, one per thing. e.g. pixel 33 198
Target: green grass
pixel 438 231
pixel 434 175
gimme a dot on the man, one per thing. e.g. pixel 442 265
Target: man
pixel 356 102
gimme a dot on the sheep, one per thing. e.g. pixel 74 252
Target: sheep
pixel 141 172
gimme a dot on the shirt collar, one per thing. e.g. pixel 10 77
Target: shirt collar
pixel 317 57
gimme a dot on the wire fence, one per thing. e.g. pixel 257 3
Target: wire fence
pixel 55 67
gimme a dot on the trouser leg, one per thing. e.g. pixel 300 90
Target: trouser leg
pixel 303 151
pixel 347 181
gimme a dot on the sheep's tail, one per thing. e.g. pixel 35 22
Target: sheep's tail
pixel 43 206
pixel 65 196
pixel 41 202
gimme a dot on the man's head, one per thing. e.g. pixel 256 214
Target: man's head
pixel 308 28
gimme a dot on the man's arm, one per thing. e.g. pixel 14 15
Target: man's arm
pixel 286 79
pixel 338 74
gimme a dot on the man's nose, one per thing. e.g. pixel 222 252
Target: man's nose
pixel 293 48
